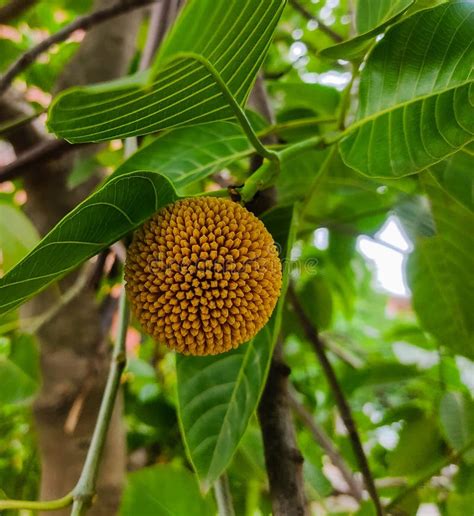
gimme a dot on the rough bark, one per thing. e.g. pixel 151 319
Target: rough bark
pixel 74 347
pixel 283 460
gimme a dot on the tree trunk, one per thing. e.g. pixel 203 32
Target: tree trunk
pixel 74 346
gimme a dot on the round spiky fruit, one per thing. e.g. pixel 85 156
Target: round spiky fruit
pixel 203 275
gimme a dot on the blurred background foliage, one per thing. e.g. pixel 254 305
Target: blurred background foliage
pixel 360 268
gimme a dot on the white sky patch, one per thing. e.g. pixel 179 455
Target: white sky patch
pixel 332 78
pixel 388 250
pixel 321 238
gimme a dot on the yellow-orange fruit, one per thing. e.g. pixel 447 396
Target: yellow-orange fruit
pixel 203 275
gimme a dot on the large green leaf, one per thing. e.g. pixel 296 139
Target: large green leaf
pixel 180 90
pixel 164 490
pixel 190 154
pixel 372 18
pixel 217 395
pixel 457 420
pixel 416 94
pixel 440 273
pixel 117 208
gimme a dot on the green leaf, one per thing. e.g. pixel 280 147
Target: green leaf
pixel 118 207
pixel 19 371
pixel 416 104
pixel 316 298
pixel 440 274
pixel 457 420
pixel 17 235
pixel 217 395
pixel 190 154
pixel 455 176
pixel 372 18
pixel 418 448
pixel 164 490
pixel 233 37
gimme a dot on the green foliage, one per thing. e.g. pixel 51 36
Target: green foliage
pixel 441 273
pixel 19 369
pixel 415 93
pixel 163 490
pixel 372 130
pixel 372 18
pixel 232 38
pixel 17 235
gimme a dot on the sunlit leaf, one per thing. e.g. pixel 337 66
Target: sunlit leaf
pixel 233 37
pixel 17 235
pixel 372 18
pixel 416 105
pixel 19 371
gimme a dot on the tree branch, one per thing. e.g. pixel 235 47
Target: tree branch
pixel 85 489
pixel 13 9
pixel 309 16
pixel 284 462
pixel 33 158
pixel 342 404
pixel 323 440
pixel 82 22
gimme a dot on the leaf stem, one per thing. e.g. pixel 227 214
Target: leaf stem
pixel 85 488
pixel 48 505
pixel 224 496
pixel 234 105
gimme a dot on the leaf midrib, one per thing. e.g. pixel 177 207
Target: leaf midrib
pixel 359 123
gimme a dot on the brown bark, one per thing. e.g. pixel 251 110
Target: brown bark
pixel 283 460
pixel 74 346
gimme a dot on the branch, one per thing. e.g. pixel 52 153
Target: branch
pixel 283 460
pixel 14 9
pixel 323 440
pixel 224 496
pixel 33 158
pixel 85 488
pixel 309 16
pixel 82 22
pixel 342 404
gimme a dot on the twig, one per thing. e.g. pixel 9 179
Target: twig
pixel 47 505
pixel 224 496
pixel 283 460
pixel 18 122
pixel 446 461
pixel 85 489
pixel 82 22
pixel 13 9
pixel 323 440
pixel 342 404
pixel 30 160
pixel 309 16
